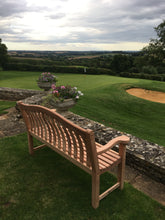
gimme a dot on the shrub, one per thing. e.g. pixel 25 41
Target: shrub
pixel 149 70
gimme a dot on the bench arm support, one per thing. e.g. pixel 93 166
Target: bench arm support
pixel 118 140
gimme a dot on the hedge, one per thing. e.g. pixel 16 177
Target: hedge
pixel 158 77
pixel 80 70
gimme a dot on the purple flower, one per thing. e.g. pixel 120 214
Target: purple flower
pixel 47 77
pixel 66 92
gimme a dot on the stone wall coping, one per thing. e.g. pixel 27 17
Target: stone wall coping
pixel 15 94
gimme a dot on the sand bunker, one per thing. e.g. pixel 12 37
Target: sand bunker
pixel 153 96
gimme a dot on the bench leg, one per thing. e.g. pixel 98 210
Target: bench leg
pixel 121 166
pixel 95 190
pixel 30 144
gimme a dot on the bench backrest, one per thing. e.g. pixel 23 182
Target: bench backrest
pixel 61 133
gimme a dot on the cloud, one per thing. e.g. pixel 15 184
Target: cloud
pixel 125 21
pixel 80 22
pixel 56 16
pixel 10 7
pixel 15 8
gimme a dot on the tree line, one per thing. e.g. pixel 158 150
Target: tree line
pixel 149 63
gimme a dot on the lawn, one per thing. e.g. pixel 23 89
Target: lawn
pixel 48 187
pixel 105 100
pixel 4 105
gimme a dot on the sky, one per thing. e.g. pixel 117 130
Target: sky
pixel 79 25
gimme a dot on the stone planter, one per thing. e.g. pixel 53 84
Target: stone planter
pixel 45 85
pixel 62 107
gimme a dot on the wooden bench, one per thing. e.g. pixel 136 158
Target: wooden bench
pixel 75 144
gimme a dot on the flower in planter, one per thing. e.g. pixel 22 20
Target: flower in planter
pixel 65 92
pixel 62 98
pixel 47 77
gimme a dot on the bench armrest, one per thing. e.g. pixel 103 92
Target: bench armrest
pixel 118 140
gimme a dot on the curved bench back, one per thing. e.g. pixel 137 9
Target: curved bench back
pixel 60 133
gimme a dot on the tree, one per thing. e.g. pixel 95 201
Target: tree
pixel 3 54
pixel 121 63
pixel 160 30
pixel 155 51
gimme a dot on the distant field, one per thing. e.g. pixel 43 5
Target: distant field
pixel 87 56
pixel 84 57
pixel 105 100
pixel 28 58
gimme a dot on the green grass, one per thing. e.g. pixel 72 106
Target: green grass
pixel 16 79
pixel 105 100
pixel 4 105
pixel 46 186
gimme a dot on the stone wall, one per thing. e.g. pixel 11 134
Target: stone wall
pixel 16 94
pixel 147 157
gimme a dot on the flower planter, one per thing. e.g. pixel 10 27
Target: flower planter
pixel 62 107
pixel 45 85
